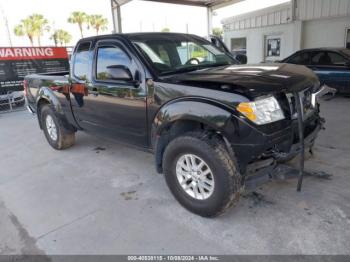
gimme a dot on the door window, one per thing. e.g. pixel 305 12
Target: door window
pixel 110 56
pixel 81 61
pixel 337 59
pixel 300 59
pixel 328 58
pixel 320 58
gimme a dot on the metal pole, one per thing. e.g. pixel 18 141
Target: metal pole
pixel 9 100
pixel 116 15
pixel 299 105
pixel 6 26
pixel 119 18
pixel 209 21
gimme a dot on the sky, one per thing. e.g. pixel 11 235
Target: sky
pixel 137 16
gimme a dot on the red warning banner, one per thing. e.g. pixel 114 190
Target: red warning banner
pixel 32 53
pixel 17 62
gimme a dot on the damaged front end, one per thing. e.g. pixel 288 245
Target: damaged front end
pixel 296 134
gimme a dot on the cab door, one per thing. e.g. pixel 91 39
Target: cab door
pixel 111 106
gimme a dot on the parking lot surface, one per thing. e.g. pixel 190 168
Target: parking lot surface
pixel 100 197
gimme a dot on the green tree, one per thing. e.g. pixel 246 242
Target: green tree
pixel 32 26
pixel 97 22
pixel 217 31
pixel 64 37
pixel 165 29
pixel 61 37
pixel 40 25
pixel 54 37
pixel 25 28
pixel 79 18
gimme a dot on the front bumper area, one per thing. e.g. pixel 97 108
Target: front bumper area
pixel 252 144
pixel 295 148
pixel 278 146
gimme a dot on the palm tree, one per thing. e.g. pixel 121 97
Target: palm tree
pixel 32 26
pixel 54 37
pixel 79 18
pixel 64 37
pixel 40 25
pixel 25 28
pixel 98 22
pixel 61 37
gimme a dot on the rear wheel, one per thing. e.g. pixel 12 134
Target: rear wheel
pixel 57 136
pixel 201 174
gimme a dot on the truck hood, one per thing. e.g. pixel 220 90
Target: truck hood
pixel 250 80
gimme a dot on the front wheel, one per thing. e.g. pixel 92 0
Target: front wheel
pixel 201 174
pixel 55 133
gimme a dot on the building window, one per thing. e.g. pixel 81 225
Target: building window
pixel 273 47
pixel 239 45
pixel 347 39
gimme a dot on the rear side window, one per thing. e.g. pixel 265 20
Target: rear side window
pixel 336 59
pixel 328 58
pixel 81 61
pixel 300 59
pixel 110 56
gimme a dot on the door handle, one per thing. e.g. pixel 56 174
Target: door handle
pixel 93 92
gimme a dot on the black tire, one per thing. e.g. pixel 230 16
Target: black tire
pixel 65 138
pixel 212 150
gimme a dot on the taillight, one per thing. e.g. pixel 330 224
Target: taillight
pixel 25 87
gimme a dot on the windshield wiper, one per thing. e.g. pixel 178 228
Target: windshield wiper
pixel 214 65
pixel 192 68
pixel 181 70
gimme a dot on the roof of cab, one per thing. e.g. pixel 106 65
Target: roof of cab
pixel 131 35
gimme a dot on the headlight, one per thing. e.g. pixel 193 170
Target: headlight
pixel 262 111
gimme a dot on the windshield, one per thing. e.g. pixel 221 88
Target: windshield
pixel 174 53
pixel 346 51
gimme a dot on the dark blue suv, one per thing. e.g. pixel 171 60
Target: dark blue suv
pixel 332 65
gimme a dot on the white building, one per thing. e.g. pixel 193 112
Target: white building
pixel 276 32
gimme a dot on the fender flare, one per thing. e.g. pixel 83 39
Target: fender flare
pixel 47 95
pixel 203 111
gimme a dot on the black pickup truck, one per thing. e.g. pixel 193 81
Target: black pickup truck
pixel 209 121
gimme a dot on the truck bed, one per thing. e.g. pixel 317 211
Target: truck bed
pixel 47 80
pixel 55 76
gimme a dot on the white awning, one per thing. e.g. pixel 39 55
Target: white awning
pixel 209 4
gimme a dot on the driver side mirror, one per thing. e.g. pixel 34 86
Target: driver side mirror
pixel 119 72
